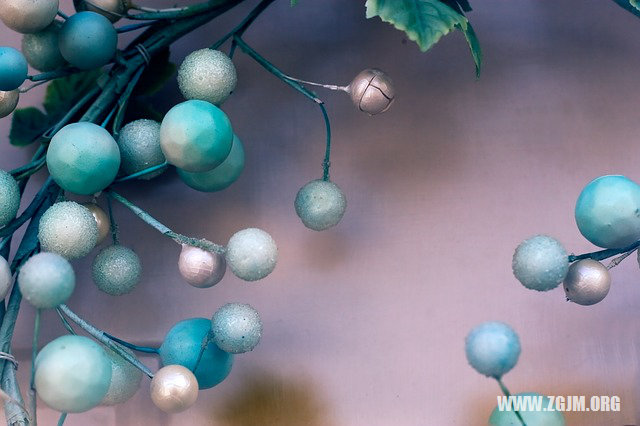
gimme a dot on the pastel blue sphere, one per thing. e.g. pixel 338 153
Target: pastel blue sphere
pixel 540 263
pixel 9 198
pixel 237 328
pixel 72 374
pixel 182 345
pixel 492 348
pixel 608 212
pixel 251 254
pixel 13 68
pixel 46 280
pixel 530 417
pixel 88 40
pixel 320 204
pixel 83 158
pixel 222 176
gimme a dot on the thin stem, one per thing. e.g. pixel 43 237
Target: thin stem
pixel 326 164
pixel 112 223
pixel 109 117
pixel 30 210
pixel 33 86
pixel 124 101
pixel 34 353
pixel 52 75
pixel 62 418
pixel 62 15
pixel 72 112
pixel 604 254
pixel 65 323
pixel 134 27
pixel 203 346
pixel 244 25
pixel 326 86
pixel 506 393
pixel 145 349
pixel 143 172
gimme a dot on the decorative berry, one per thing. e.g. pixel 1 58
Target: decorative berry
pixel 46 280
pixel 28 16
pixel 587 282
pixel 208 75
pixel 201 268
pixel 68 229
pixel 237 328
pixel 9 198
pixel 372 91
pixel 125 378
pixel 540 263
pixel 174 389
pixel 8 102
pixel 320 204
pixel 83 158
pixel 72 374
pixel 492 348
pixel 251 254
pixel 5 277
pixel 102 220
pixel 111 9
pixel 88 40
pixel 117 270
pixel 196 136
pixel 182 346
pixel 13 68
pixel 541 417
pixel 220 177
pixel 608 212
pixel 41 49
pixel 139 143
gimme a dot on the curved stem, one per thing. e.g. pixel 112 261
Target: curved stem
pixel 326 164
pixel 179 13
pixel 244 25
pixel 145 349
pixel 506 393
pixel 65 323
pixel 326 86
pixel 124 101
pixel 143 172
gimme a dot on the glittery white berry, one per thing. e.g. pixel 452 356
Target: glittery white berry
pixel 117 270
pixel 46 280
pixel 5 277
pixel 251 254
pixel 208 75
pixel 125 378
pixel 540 263
pixel 139 144
pixel 69 229
pixel 320 204
pixel 237 328
pixel 9 198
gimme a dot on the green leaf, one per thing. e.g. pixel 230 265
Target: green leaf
pixel 156 75
pixel 63 93
pixel 26 125
pixel 635 4
pixel 474 45
pixel 460 6
pixel 294 3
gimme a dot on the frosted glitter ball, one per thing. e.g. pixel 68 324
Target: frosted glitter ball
pixel 587 282
pixel 125 378
pixel 41 49
pixel 174 389
pixel 208 75
pixel 5 277
pixel 8 102
pixel 88 40
pixel 251 254
pixel 237 328
pixel 13 68
pixel 608 212
pixel 28 16
pixel 46 280
pixel 201 268
pixel 9 198
pixel 540 263
pixel 139 143
pixel 72 374
pixel 320 205
pixel 117 270
pixel 68 229
pixel 492 348
pixel 540 417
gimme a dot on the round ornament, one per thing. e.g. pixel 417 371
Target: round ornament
pixel 102 220
pixel 587 282
pixel 174 389
pixel 88 40
pixel 320 204
pixel 46 280
pixel 251 254
pixel 13 68
pixel 125 378
pixel 9 198
pixel 117 270
pixel 208 75
pixel 492 348
pixel 541 417
pixel 540 263
pixel 113 10
pixel 201 268
pixel 28 16
pixel 372 91
pixel 139 143
pixel 8 102
pixel 237 328
pixel 41 49
pixel 68 229
pixel 5 277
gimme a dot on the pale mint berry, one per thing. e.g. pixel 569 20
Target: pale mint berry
pixel 320 204
pixel 251 254
pixel 46 280
pixel 237 328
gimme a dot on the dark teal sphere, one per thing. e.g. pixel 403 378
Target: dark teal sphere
pixel 88 40
pixel 13 68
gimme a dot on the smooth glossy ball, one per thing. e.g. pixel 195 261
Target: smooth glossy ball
pixel 587 282
pixel 530 417
pixel 88 40
pixel 608 212
pixel 372 91
pixel 196 136
pixel 72 374
pixel 174 389
pixel 41 49
pixel 540 263
pixel 125 378
pixel 28 16
pixel 492 348
pixel 139 143
pixel 251 254
pixel 102 220
pixel 5 277
pixel 46 280
pixel 9 198
pixel 8 102
pixel 221 176
pixel 117 270
pixel 182 346
pixel 201 268
pixel 320 204
pixel 111 9
pixel 13 68
pixel 208 75
pixel 68 229
pixel 83 158
pixel 237 328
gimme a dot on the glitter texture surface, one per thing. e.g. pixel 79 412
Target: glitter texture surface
pixel 125 378
pixel 69 229
pixel 237 328
pixel 41 49
pixel 208 75
pixel 9 198
pixel 320 204
pixel 116 270
pixel 251 254
pixel 540 263
pixel 139 143
pixel 28 16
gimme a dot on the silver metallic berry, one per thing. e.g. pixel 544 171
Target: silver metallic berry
pixel 587 282
pixel 372 91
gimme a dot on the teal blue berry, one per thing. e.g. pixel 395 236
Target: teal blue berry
pixel 220 177
pixel 237 328
pixel 320 204
pixel 182 346
pixel 608 212
pixel 46 280
pixel 68 229
pixel 9 198
pixel 72 374
pixel 196 136
pixel 540 416
pixel 88 40
pixel 492 348
pixel 13 68
pixel 139 143
pixel 540 263
pixel 83 158
pixel 125 378
pixel 117 270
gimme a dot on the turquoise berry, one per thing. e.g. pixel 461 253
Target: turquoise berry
pixel 41 49
pixel 608 212
pixel 182 346
pixel 139 143
pixel 88 40
pixel 9 198
pixel 13 68
pixel 46 280
pixel 83 158
pixel 196 136
pixel 220 177
pixel 125 378
pixel 492 348
pixel 68 229
pixel 320 204
pixel 117 270
pixel 6 277
pixel 72 374
pixel 540 263
pixel 539 416
pixel 251 254
pixel 237 328
pixel 208 75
